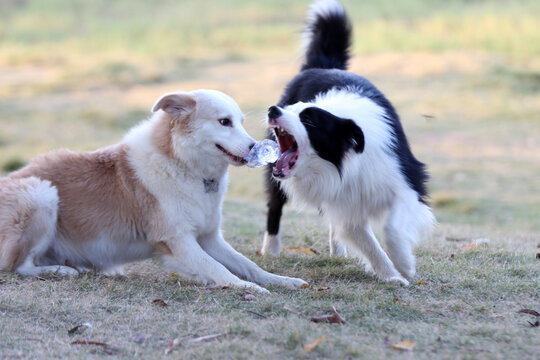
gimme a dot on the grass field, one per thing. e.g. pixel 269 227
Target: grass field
pixel 465 78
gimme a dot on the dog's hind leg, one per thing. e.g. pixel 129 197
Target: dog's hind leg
pixel 363 239
pixel 336 247
pixel 276 201
pixel 406 223
pixel 28 215
pixel 223 252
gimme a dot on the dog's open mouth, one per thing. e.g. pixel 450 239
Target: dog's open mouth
pixel 236 159
pixel 289 153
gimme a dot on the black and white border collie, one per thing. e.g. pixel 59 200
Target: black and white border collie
pixel 345 153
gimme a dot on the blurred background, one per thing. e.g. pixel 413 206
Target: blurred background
pixel 463 75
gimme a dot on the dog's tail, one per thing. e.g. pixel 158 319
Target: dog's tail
pixel 327 36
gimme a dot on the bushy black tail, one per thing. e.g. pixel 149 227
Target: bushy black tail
pixel 328 36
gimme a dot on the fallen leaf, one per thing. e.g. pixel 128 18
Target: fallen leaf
pixel 173 344
pixel 315 251
pixel 444 287
pixel 305 286
pixel 258 252
pixel 529 311
pixel 256 313
pixel 304 250
pixel 312 345
pixel 468 247
pixel 247 296
pixel 160 302
pixel 174 276
pixel 421 282
pixel 79 328
pixel 395 300
pixel 333 318
pixel 455 239
pixel 405 345
pixel 40 278
pixel 206 338
pixel 107 349
pixel 452 256
pixel 323 288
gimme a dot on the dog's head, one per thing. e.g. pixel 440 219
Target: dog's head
pixel 305 132
pixel 206 122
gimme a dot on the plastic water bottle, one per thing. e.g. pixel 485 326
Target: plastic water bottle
pixel 264 152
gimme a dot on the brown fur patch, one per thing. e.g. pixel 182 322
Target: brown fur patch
pixel 164 129
pixel 162 248
pixel 99 192
pixel 161 136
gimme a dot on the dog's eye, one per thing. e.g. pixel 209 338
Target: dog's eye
pixel 306 120
pixel 225 122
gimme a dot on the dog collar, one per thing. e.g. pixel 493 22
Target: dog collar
pixel 210 185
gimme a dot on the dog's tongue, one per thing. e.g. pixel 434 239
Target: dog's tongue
pixel 282 164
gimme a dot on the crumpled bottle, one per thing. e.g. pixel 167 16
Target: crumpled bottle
pixel 264 152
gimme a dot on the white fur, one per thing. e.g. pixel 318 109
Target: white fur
pixel 371 185
pixel 271 244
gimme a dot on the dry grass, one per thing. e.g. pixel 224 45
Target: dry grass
pixel 462 304
pixel 465 80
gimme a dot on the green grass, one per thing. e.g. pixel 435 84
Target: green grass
pixel 464 77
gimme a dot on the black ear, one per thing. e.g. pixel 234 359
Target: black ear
pixel 355 136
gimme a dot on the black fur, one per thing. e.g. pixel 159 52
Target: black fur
pixel 308 84
pixel 331 136
pixel 330 40
pixel 325 67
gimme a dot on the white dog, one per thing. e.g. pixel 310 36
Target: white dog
pixel 159 192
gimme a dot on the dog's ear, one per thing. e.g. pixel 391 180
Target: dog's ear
pixel 177 105
pixel 355 135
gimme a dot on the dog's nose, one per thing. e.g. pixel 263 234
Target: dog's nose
pixel 251 146
pixel 274 112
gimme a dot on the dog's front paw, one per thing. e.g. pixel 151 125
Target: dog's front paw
pixel 252 286
pixel 398 279
pixel 294 283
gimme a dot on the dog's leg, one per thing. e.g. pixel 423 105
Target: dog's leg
pixel 28 215
pixel 336 247
pixel 364 240
pixel 187 257
pixel 276 201
pixel 407 221
pixel 28 268
pixel 399 244
pixel 223 252
pixel 116 270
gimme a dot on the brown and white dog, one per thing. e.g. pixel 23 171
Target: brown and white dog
pixel 159 192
